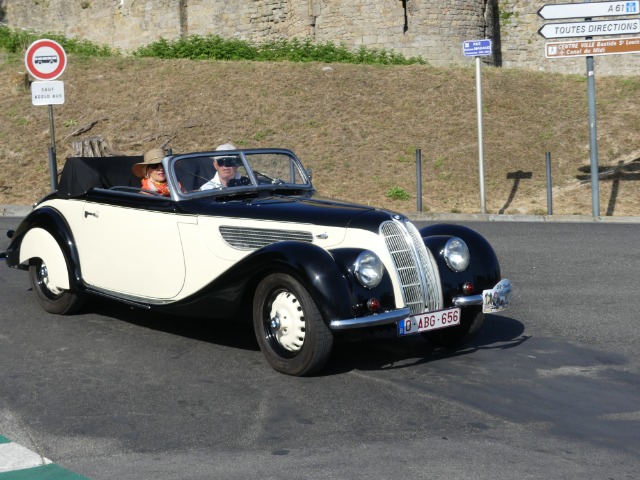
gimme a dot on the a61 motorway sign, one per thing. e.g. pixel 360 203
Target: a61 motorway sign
pixel 589 10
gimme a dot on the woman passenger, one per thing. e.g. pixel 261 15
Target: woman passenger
pixel 152 173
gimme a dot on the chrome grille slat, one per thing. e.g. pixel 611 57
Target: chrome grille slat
pixel 246 238
pixel 429 268
pixel 414 264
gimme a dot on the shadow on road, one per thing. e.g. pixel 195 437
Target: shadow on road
pixel 372 351
pixel 229 333
pixel 385 351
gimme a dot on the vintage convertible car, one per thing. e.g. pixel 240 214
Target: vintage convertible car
pixel 307 269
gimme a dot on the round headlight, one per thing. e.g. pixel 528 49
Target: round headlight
pixel 368 269
pixel 456 254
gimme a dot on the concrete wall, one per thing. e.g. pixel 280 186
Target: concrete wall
pixel 433 29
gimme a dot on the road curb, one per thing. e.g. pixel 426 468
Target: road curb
pixel 18 462
pixel 15 210
pixel 479 217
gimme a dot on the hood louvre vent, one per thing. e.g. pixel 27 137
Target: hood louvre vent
pixel 253 238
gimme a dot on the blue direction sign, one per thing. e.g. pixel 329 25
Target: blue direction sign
pixel 477 48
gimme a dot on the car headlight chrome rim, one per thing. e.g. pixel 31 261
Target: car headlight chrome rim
pixel 456 254
pixel 368 269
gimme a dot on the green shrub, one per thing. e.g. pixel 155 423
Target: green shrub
pixel 214 47
pixel 17 41
pixel 397 193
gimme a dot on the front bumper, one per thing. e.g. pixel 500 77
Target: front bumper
pixel 371 320
pixel 493 300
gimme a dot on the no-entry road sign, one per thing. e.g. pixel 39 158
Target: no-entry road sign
pixel 589 10
pixel 590 29
pixel 592 47
pixel 45 59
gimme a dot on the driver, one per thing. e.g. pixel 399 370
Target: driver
pixel 226 170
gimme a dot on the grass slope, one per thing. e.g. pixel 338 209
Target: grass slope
pixel 356 126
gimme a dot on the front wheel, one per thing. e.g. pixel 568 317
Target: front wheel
pixel 51 298
pixel 452 337
pixel 289 327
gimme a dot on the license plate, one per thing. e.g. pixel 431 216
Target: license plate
pixel 425 322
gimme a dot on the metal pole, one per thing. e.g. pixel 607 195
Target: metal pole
pixel 483 208
pixel 593 138
pixel 549 185
pixel 53 167
pixel 419 178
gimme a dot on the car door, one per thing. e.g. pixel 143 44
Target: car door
pixel 132 251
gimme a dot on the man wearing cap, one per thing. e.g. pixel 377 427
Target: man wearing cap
pixel 226 170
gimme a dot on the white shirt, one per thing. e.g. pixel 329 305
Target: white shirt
pixel 216 183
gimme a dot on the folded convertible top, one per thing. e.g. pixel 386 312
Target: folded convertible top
pixel 81 174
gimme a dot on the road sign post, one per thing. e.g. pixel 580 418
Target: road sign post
pixel 477 49
pixel 593 136
pixel 589 48
pixel 46 60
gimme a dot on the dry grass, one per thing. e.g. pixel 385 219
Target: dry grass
pixel 357 127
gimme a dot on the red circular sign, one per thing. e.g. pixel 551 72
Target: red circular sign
pixel 45 59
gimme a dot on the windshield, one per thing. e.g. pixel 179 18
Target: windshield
pixel 240 170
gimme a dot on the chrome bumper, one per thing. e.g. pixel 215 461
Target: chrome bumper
pixel 465 301
pixel 371 320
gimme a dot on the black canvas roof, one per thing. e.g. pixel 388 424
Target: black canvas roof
pixel 81 174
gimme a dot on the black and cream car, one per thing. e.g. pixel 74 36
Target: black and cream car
pixel 308 269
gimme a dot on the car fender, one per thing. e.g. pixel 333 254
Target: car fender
pixel 45 234
pixel 483 270
pixel 38 243
pixel 317 269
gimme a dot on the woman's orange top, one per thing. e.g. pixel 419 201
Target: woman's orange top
pixel 161 188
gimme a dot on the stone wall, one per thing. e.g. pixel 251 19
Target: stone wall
pixel 432 29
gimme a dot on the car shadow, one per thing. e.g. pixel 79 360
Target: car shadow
pixel 381 350
pixel 387 351
pixel 235 334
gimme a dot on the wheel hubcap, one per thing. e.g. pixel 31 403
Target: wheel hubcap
pixel 287 321
pixel 43 275
pixel 275 323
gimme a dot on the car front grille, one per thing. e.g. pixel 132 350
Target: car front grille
pixel 253 238
pixel 416 268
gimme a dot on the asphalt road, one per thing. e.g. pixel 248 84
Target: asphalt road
pixel 550 389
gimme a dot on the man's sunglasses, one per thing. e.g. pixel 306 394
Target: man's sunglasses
pixel 227 162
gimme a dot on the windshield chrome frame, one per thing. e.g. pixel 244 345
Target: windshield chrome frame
pixel 178 195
